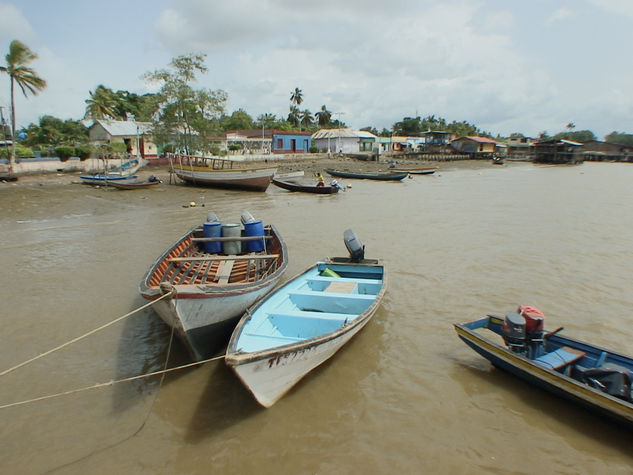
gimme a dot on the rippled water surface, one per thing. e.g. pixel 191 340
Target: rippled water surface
pixel 405 395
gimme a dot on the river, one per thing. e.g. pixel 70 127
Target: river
pixel 406 395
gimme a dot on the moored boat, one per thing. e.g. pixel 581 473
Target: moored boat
pixel 213 274
pixel 589 375
pixel 415 171
pixel 322 190
pixel 221 173
pixel 305 322
pixel 123 173
pixel 368 176
pixel 152 181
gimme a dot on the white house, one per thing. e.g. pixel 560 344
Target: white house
pixel 135 135
pixel 343 140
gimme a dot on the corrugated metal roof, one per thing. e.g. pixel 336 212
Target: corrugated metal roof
pixel 342 133
pixel 127 128
pixel 476 138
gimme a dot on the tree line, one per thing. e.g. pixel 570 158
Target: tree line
pixel 188 118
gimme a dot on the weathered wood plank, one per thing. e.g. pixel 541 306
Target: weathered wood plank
pixel 224 258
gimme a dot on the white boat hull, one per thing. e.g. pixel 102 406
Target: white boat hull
pixel 270 378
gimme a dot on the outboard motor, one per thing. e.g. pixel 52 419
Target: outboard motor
pixel 514 332
pixel 355 248
pixel 534 329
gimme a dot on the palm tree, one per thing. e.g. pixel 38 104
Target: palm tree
pixel 18 58
pixel 323 116
pixel 102 104
pixel 305 118
pixel 294 116
pixel 296 97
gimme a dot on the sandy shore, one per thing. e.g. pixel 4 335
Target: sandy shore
pixel 310 167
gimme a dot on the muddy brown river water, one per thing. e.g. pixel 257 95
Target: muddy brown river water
pixel 406 395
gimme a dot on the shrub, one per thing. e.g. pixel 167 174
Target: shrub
pixel 118 147
pixel 20 152
pixel 83 151
pixel 314 149
pixel 64 152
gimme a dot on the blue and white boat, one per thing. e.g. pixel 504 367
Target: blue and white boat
pixel 125 173
pixel 596 378
pixel 304 322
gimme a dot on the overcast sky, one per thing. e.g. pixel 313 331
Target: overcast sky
pixel 504 65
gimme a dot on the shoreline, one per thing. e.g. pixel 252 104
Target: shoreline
pixel 309 165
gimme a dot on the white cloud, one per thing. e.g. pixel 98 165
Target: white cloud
pixel 559 15
pixel 13 25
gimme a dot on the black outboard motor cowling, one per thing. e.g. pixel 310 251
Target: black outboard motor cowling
pixel 514 332
pixel 355 248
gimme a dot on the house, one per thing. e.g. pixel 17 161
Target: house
pixel 478 146
pixel 558 151
pixel 438 141
pixel 596 150
pixel 290 142
pixel 135 135
pixel 253 141
pixel 520 146
pixel 345 140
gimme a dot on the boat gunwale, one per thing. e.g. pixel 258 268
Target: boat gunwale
pixel 236 358
pixel 186 291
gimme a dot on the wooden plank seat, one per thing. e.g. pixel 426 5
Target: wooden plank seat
pixel 309 314
pixel 224 271
pixel 560 358
pixel 230 238
pixel 341 287
pixel 223 258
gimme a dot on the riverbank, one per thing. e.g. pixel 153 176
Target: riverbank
pixel 310 166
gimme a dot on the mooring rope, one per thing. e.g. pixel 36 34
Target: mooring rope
pixel 75 340
pixel 111 383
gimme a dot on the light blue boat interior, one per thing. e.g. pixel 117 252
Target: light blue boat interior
pixel 312 305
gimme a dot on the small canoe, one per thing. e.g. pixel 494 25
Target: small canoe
pixel 322 190
pixel 213 279
pixel 304 323
pixel 415 171
pixel 596 378
pixel 289 176
pixel 368 176
pixel 102 179
pixel 133 185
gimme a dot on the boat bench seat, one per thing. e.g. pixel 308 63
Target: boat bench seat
pixel 560 358
pixel 331 302
pixel 308 314
pixel 322 278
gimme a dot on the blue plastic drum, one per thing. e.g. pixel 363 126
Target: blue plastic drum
pixel 213 229
pixel 254 228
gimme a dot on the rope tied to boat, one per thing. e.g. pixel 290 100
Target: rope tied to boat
pixel 81 337
pixel 112 383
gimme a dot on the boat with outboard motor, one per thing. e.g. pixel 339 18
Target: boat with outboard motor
pixel 123 173
pixel 305 322
pixel 597 378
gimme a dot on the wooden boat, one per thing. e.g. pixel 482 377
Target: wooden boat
pixel 221 173
pixel 369 176
pixel 211 285
pixel 415 171
pixel 594 377
pixel 125 172
pixel 133 185
pixel 322 190
pixel 304 323
pixel 289 176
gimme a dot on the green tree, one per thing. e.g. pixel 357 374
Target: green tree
pixel 186 117
pixel 581 136
pixel 238 120
pixel 294 116
pixel 296 97
pixel 620 138
pixel 408 126
pixel 26 78
pixel 102 104
pixel 323 117
pixel 305 118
